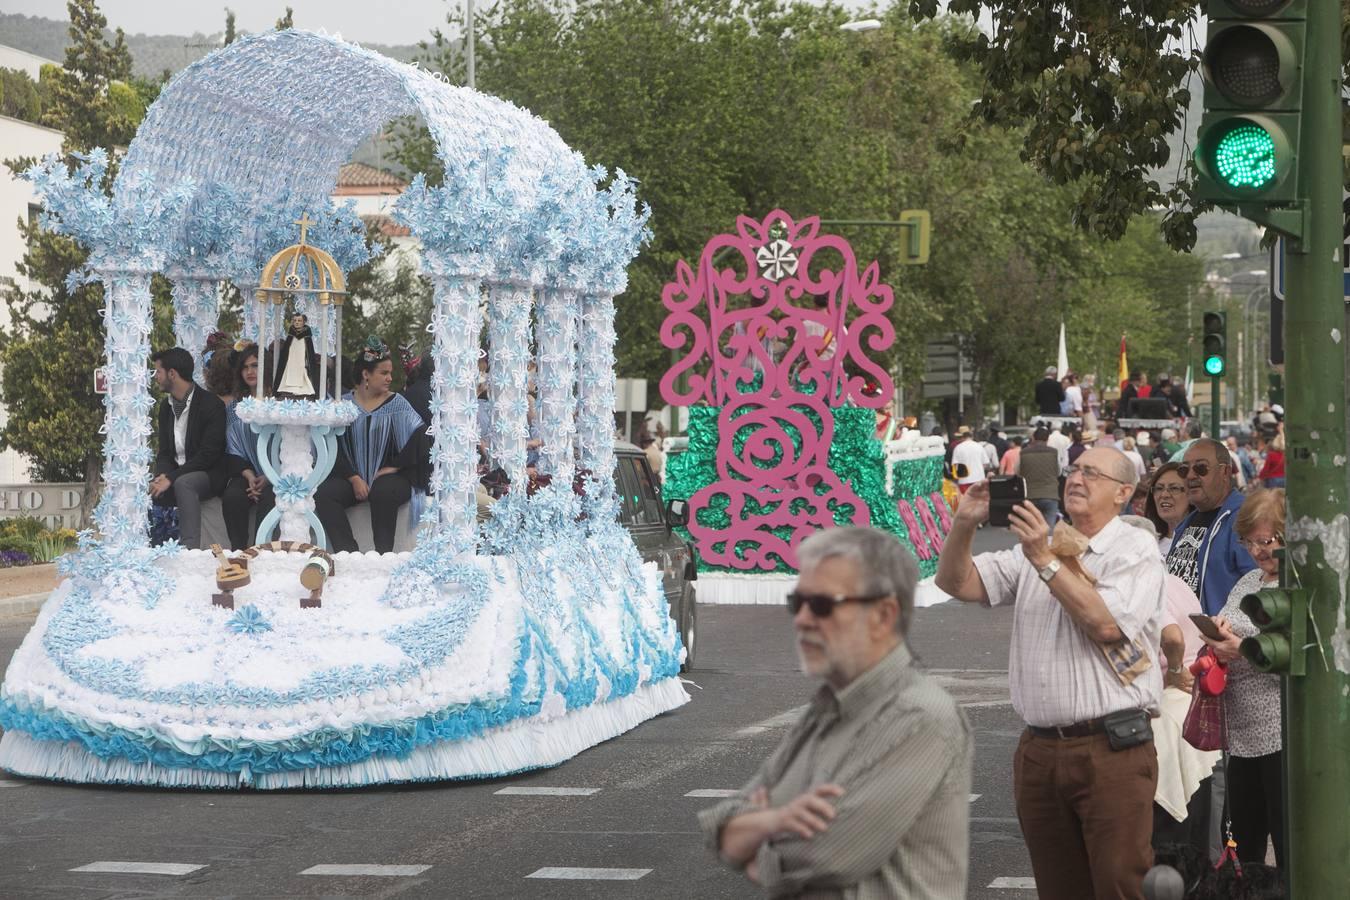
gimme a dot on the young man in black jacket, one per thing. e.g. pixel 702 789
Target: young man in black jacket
pixel 190 465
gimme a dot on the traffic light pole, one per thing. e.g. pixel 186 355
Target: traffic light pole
pixel 1215 392
pixel 1317 711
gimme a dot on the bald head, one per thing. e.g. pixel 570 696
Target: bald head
pixel 1113 463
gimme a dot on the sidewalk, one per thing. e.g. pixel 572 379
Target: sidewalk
pixel 24 588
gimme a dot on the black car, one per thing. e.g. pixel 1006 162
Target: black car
pixel 652 524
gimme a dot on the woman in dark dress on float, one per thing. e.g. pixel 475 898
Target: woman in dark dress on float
pixel 381 458
pixel 247 491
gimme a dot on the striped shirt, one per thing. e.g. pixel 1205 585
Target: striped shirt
pixel 1058 675
pixel 901 749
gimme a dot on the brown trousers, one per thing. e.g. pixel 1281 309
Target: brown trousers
pixel 1086 813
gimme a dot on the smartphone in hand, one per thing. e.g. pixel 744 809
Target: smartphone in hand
pixel 1005 492
pixel 1205 625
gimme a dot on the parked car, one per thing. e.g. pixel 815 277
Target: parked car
pixel 652 524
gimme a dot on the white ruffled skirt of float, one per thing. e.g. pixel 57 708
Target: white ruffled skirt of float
pixel 526 744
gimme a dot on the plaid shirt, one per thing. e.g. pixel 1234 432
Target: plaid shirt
pixel 1057 674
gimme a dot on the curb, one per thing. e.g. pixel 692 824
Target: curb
pixel 22 605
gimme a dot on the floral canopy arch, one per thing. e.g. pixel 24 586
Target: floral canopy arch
pixel 245 141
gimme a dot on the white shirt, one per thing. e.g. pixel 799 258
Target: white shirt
pixel 972 454
pixel 1061 442
pixel 1074 394
pixel 1057 674
pixel 180 424
pixel 1139 468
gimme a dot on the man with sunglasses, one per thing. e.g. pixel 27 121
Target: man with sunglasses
pixel 868 794
pixel 1206 553
pixel 1083 672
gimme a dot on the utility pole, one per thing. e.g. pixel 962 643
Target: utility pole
pixel 1317 751
pixel 469 54
pixel 1270 147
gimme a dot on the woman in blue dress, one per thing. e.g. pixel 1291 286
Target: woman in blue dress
pixel 247 492
pixel 382 456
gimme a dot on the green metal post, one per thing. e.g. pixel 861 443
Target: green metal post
pixel 1317 714
pixel 1215 392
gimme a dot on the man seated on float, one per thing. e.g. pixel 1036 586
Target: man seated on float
pixel 189 467
pixel 247 490
pixel 381 459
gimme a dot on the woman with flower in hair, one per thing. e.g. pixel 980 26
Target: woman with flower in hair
pixel 248 492
pixel 381 456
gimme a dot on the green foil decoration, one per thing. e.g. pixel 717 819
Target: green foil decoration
pixel 856 456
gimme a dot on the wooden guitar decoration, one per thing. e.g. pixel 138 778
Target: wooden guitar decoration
pixel 233 571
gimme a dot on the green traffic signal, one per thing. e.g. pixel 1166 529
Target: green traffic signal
pixel 1213 343
pixel 1245 157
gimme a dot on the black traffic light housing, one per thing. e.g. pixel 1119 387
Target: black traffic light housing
pixel 1282 616
pixel 1214 343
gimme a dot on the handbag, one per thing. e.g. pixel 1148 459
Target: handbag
pixel 1205 728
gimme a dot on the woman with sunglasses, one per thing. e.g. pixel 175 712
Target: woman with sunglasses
pixel 1251 701
pixel 1166 505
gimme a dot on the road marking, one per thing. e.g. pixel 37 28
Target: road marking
pixel 974 797
pixel 547 792
pixel 782 720
pixel 139 868
pixel 382 871
pixel 1027 884
pixel 4 783
pixel 573 874
pixel 713 793
pixel 984 704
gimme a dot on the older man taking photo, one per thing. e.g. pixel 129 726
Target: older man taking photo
pixel 1084 675
pixel 867 795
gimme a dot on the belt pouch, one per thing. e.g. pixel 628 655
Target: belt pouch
pixel 1127 728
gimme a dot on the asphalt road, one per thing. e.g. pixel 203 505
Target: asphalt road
pixel 628 809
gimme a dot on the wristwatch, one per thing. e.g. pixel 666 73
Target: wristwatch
pixel 1049 570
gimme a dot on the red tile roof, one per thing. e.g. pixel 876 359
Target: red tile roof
pixel 360 175
pixel 387 226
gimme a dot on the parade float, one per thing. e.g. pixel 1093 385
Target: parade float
pixel 777 326
pixel 489 648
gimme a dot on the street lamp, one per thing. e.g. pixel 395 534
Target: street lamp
pixel 861 25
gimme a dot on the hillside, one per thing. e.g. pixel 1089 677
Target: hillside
pixel 151 53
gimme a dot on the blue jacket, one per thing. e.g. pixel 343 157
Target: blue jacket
pixel 1222 559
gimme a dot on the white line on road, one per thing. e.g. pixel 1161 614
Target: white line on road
pixel 974 797
pixel 358 869
pixel 782 720
pixel 139 868
pixel 1028 884
pixel 547 792
pixel 713 793
pixel 573 874
pixel 4 783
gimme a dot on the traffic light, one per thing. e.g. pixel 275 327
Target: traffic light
pixel 1215 343
pixel 1247 146
pixel 1282 616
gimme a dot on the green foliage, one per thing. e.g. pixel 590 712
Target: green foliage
pixel 19 97
pixel 723 109
pixel 286 21
pixel 230 34
pixel 26 527
pixel 55 336
pixel 389 297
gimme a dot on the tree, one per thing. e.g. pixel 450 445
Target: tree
pixel 56 330
pixel 286 21
pixel 19 98
pixel 230 34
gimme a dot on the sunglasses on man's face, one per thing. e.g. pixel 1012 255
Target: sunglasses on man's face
pixel 1201 469
pixel 822 605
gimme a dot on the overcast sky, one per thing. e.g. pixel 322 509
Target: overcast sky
pixel 362 21
pixel 388 22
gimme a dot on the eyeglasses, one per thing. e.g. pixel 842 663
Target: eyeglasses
pixel 1201 469
pixel 1090 473
pixel 1277 540
pixel 822 605
pixel 1159 489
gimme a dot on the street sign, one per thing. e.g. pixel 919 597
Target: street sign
pixel 1277 255
pixel 945 369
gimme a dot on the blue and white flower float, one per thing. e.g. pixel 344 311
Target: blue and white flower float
pixel 487 649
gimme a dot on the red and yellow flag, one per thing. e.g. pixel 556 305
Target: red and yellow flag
pixel 1124 372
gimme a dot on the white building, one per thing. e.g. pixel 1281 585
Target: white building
pixel 13 58
pixel 375 192
pixel 17 200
